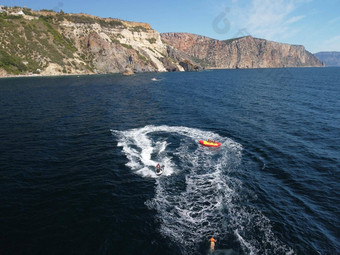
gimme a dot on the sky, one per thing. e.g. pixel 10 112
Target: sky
pixel 312 23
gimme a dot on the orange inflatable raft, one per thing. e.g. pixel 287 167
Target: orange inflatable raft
pixel 209 144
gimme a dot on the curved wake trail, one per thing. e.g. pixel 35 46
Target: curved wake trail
pixel 196 197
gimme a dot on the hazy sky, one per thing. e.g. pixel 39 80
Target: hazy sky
pixel 312 23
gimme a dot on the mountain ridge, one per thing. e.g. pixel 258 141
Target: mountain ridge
pixel 57 43
pixel 330 58
pixel 242 52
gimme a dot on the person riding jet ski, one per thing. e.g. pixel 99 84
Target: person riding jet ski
pixel 158 169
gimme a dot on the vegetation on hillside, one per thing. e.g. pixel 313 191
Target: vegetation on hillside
pixel 29 45
pixel 152 40
pixel 138 29
pixel 84 19
pixel 30 42
pixel 11 64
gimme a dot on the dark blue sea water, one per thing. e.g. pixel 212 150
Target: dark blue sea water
pixel 77 163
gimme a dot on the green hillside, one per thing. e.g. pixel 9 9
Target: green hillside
pixel 30 42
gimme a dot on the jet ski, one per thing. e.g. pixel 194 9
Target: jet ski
pixel 159 170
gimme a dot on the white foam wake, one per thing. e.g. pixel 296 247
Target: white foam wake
pixel 144 152
pixel 197 197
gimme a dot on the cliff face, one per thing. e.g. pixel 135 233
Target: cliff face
pixel 57 43
pixel 329 58
pixel 244 52
pixel 50 43
pixel 112 49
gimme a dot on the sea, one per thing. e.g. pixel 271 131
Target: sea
pixel 78 156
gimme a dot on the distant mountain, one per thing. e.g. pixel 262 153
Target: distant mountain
pixel 329 58
pixel 244 52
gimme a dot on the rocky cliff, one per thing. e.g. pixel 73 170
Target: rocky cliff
pixel 52 43
pixel 329 58
pixel 244 52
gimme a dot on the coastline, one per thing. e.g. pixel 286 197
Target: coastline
pixel 287 67
pixel 122 73
pixel 87 74
pixel 48 75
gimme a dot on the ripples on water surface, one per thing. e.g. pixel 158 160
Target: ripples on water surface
pixel 77 157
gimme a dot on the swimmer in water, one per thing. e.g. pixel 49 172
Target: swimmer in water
pixel 212 243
